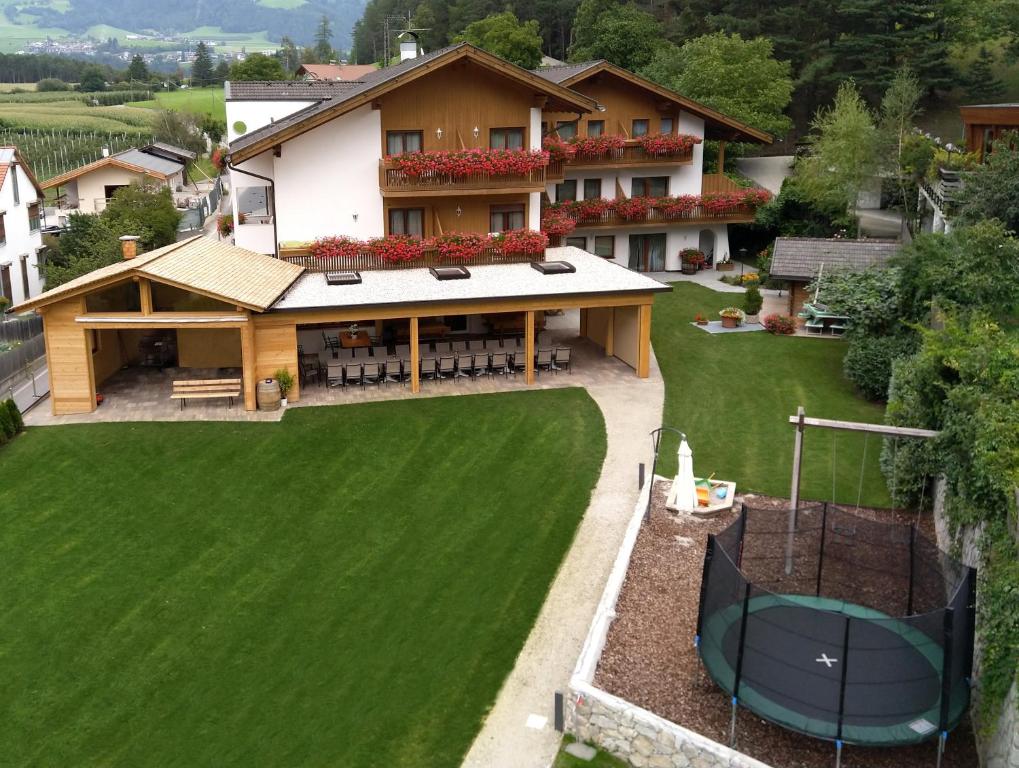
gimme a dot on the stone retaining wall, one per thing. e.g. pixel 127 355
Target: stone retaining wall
pixel 617 726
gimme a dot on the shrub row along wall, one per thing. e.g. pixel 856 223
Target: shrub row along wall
pixel 998 747
pixel 619 727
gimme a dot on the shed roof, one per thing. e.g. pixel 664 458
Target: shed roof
pixel 336 71
pixel 384 80
pixel 286 90
pixel 594 275
pixel 200 264
pixel 799 258
pixel 135 160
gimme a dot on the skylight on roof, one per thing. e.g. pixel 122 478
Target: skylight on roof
pixel 553 267
pixel 450 273
pixel 343 278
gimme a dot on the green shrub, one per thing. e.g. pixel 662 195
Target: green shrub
pixel 15 414
pixel 780 325
pixel 870 298
pixel 7 428
pixel 868 361
pixel 51 84
pixel 752 300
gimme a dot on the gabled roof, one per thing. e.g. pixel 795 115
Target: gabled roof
pixel 717 125
pixel 9 155
pixel 199 264
pixel 800 258
pixel 382 81
pixel 286 90
pixel 135 160
pixel 336 71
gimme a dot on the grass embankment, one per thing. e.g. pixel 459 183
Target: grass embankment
pixel 732 395
pixel 208 101
pixel 347 587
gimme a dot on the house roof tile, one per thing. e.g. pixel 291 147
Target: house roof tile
pixel 799 258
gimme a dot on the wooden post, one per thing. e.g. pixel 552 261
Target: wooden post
pixel 529 346
pixel 794 500
pixel 583 322
pixel 248 363
pixel 721 158
pixel 145 291
pixel 415 357
pixel 644 341
pixel 610 331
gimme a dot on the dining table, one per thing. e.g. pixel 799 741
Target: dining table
pixel 351 341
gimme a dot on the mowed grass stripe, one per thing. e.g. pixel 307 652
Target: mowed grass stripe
pixel 347 587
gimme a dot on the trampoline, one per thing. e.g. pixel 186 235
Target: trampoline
pixel 848 629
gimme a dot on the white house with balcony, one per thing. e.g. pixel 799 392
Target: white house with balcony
pixel 20 229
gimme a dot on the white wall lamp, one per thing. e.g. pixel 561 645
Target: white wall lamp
pixel 438 133
pixel 355 216
pixel 477 131
pixel 459 211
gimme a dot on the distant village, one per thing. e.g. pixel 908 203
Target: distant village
pixel 159 50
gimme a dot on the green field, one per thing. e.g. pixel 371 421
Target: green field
pixel 732 395
pixel 75 115
pixel 197 100
pixel 348 587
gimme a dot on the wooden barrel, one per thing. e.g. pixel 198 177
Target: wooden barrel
pixel 268 391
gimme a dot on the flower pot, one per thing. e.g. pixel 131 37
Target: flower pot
pixel 730 322
pixel 689 269
pixel 725 266
pixel 283 402
pixel 753 320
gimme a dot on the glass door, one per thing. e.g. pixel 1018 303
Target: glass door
pixel 647 253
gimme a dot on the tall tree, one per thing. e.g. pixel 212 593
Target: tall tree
pixel 992 189
pixel 201 67
pixel 92 79
pixel 843 153
pixel 138 69
pixel 900 107
pixel 982 85
pixel 145 211
pixel 289 55
pixel 621 34
pixel 506 36
pixel 738 77
pixel 178 128
pixel 221 73
pixel 87 243
pixel 258 66
pixel 324 40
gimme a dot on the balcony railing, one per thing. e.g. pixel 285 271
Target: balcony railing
pixel 632 153
pixel 393 179
pixel 734 214
pixel 367 260
pixel 944 191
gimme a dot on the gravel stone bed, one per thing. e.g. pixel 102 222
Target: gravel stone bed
pixel 649 657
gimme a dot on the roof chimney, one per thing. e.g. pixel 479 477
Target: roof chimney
pixel 129 246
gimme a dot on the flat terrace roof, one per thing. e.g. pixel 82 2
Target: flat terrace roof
pixel 593 276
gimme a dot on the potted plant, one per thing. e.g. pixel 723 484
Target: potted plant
pixel 286 382
pixel 725 265
pixel 691 259
pixel 752 302
pixel 732 317
pixel 700 319
pixel 4 302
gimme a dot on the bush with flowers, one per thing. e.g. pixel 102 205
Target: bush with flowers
pixel 668 144
pixel 556 222
pixel 633 208
pixel 397 248
pixel 225 225
pixel 469 162
pixel 591 209
pixel 218 159
pixel 750 278
pixel 458 246
pixel 558 149
pixel 595 147
pixel 782 325
pixel 337 248
pixel 678 207
pixel 692 257
pixel 521 241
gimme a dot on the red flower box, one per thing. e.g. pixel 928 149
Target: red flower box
pixel 633 208
pixel 397 248
pixel 678 207
pixel 521 241
pixel 469 162
pixel 668 144
pixel 558 150
pixel 591 209
pixel 459 247
pixel 337 247
pixel 557 223
pixel 595 147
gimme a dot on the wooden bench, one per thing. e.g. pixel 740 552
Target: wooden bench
pixel 204 389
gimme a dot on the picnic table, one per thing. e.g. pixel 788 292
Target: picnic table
pixel 821 320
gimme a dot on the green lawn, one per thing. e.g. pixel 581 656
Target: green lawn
pixel 197 100
pixel 348 587
pixel 732 395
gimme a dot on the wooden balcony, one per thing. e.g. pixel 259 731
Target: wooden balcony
pixel 367 260
pixel 396 183
pixel 737 214
pixel 631 155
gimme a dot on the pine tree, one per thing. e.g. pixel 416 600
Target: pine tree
pixel 138 70
pixel 201 68
pixel 221 73
pixel 982 87
pixel 289 55
pixel 324 40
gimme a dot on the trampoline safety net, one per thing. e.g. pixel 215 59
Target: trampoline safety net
pixel 850 629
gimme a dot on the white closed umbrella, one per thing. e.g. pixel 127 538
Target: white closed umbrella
pixel 683 495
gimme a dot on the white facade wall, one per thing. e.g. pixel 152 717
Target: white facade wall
pixel 89 190
pixel 255 114
pixel 676 239
pixel 20 240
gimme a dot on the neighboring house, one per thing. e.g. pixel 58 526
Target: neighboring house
pixel 631 107
pixel 314 159
pixel 798 260
pixel 334 71
pixel 20 229
pixel 87 189
pixel 983 124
